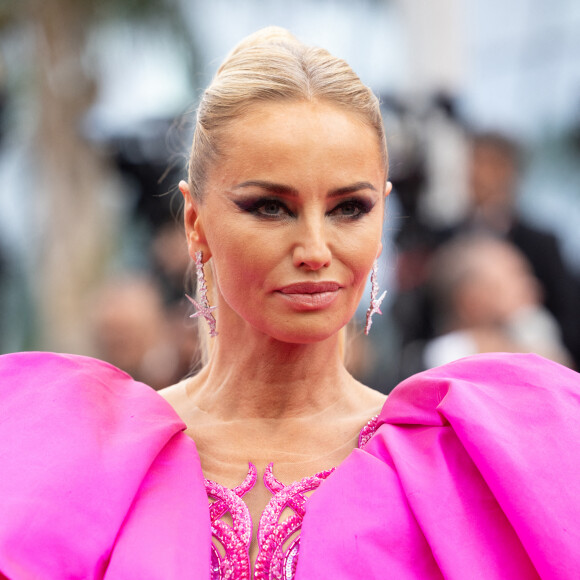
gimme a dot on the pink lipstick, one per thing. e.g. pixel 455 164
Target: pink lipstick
pixel 310 295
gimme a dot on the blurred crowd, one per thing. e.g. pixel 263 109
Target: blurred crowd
pixel 139 316
pixel 470 275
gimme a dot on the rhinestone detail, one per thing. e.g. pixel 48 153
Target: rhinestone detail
pixel 278 539
pixel 232 561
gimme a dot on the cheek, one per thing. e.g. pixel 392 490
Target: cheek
pixel 359 264
pixel 239 263
pixel 362 248
pixel 363 277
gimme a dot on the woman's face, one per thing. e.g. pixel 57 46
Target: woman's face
pixel 292 216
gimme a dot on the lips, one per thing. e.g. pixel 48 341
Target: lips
pixel 305 296
pixel 310 288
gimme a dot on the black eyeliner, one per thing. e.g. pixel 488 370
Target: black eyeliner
pixel 363 205
pixel 254 204
pixel 248 204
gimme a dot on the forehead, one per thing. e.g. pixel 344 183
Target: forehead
pixel 299 140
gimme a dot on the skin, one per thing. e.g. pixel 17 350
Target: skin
pixel 275 388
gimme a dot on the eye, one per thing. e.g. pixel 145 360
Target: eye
pixel 352 208
pixel 270 207
pixel 348 209
pixel 264 207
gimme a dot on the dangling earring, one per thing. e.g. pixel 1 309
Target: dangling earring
pixel 203 307
pixel 375 307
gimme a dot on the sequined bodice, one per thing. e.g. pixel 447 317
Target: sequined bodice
pixel 278 536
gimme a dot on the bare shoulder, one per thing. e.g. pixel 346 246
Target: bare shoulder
pixel 370 401
pixel 176 396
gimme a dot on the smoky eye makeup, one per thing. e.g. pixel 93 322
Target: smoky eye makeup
pixel 352 207
pixel 263 206
pixel 344 204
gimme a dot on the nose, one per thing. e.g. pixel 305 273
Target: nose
pixel 311 250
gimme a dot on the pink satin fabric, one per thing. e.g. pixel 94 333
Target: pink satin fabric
pixel 97 479
pixel 474 473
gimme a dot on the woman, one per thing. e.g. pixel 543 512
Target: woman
pixel 307 473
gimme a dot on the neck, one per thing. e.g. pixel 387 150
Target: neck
pixel 269 379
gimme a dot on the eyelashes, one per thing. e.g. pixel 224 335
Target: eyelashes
pixel 264 207
pixel 353 208
pixel 274 208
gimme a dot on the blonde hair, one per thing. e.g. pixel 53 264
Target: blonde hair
pixel 267 66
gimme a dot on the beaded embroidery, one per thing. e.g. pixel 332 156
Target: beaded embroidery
pixel 278 540
pixel 233 540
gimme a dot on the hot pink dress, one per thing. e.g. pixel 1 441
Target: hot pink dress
pixel 473 472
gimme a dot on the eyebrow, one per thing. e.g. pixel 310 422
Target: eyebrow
pixel 280 189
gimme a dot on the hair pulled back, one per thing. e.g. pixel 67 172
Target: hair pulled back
pixel 267 66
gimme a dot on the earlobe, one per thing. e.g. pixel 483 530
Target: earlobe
pixel 194 231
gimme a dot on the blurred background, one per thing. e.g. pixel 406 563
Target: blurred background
pixel 481 102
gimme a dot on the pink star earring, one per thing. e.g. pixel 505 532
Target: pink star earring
pixel 203 307
pixel 375 307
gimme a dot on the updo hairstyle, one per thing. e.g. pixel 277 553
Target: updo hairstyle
pixel 268 66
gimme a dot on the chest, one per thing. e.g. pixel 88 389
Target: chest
pixel 256 525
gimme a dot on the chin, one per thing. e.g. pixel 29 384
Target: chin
pixel 309 332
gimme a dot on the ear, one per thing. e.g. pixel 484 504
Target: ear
pixel 194 231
